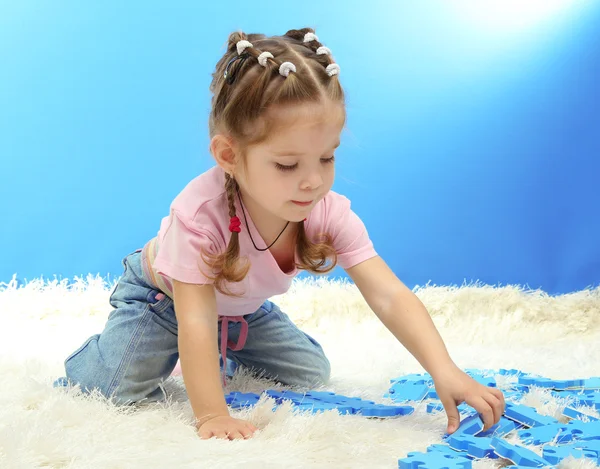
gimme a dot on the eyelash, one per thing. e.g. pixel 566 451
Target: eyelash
pixel 284 168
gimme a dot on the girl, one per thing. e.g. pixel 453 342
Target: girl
pixel 238 234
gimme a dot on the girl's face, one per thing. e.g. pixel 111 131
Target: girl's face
pixel 292 170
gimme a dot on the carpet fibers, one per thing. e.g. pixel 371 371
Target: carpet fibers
pixel 484 327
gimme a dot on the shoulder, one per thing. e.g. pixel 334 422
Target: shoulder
pixel 329 210
pixel 202 198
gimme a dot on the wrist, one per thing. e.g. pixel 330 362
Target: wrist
pixel 201 420
pixel 442 368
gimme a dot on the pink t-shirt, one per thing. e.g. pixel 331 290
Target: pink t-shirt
pixel 199 218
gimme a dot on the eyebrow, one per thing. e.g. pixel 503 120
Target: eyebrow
pixel 295 153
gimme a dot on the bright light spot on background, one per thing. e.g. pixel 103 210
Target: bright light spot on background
pixel 511 16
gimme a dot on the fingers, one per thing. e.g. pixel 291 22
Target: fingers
pixel 484 409
pixel 496 404
pixel 453 415
pixel 500 396
pixel 205 434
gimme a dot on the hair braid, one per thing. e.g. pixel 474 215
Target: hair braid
pixel 230 267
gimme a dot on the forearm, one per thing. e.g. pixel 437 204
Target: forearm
pixel 409 321
pixel 199 357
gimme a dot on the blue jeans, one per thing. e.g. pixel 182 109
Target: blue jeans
pixel 138 347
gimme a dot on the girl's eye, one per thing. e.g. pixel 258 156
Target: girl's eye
pixel 282 167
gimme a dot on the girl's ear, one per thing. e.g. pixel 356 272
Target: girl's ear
pixel 224 152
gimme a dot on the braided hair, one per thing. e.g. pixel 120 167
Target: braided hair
pixel 256 73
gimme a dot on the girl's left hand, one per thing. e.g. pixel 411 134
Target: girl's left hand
pixel 454 386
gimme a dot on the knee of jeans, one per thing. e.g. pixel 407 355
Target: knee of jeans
pixel 317 375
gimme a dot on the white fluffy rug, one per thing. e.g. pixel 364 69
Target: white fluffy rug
pixel 484 327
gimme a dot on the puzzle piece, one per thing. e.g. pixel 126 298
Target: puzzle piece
pixel 579 398
pixel 471 425
pixel 434 460
pixel 589 445
pixel 476 447
pixel 502 428
pixel 592 383
pixel 316 407
pixel 555 454
pixel 437 406
pixel 380 410
pixel 445 449
pixel 509 372
pixel 577 414
pixel 527 415
pixel 421 378
pixel 558 384
pixel 484 377
pixel 559 433
pixel 406 392
pixel 589 430
pixel 517 454
pixel 238 400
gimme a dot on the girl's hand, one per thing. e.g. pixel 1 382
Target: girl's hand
pixel 226 427
pixel 454 386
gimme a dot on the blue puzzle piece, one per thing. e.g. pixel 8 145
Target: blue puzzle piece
pixel 512 395
pixel 509 372
pixel 483 377
pixel 437 406
pixel 434 460
pixel 471 425
pixel 420 378
pixel 555 454
pixel 517 454
pixel 476 447
pixel 380 410
pixel 558 432
pixel 316 407
pixel 407 392
pixel 579 398
pixel 577 414
pixel 502 428
pixel 589 430
pixel 589 445
pixel 527 415
pixel 445 449
pixel 239 399
pixel 432 394
pixel 551 383
pixel 592 383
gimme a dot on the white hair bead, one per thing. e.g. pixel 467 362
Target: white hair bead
pixel 323 51
pixel 308 37
pixel 332 69
pixel 262 58
pixel 286 67
pixel 242 46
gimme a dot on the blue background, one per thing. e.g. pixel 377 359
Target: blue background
pixel 471 153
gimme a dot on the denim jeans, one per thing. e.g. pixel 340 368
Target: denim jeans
pixel 138 347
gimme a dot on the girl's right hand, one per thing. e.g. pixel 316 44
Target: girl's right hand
pixel 226 427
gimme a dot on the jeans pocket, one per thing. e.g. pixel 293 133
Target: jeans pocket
pixel 162 306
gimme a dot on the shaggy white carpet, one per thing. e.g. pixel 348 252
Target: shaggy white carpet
pixel 484 327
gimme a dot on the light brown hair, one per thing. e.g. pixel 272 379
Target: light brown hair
pixel 240 110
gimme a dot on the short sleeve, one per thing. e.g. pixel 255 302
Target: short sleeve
pixel 350 237
pixel 179 254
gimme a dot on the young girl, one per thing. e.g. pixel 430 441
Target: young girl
pixel 238 234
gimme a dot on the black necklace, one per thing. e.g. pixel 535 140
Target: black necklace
pixel 246 221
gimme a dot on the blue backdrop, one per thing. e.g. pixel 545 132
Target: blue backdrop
pixel 472 149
